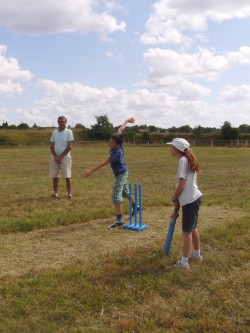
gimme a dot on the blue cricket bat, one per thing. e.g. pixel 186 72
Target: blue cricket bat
pixel 170 233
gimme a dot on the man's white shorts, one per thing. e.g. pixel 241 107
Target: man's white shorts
pixel 65 167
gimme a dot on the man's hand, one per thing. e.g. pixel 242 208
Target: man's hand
pixel 58 159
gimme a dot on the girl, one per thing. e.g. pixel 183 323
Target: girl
pixel 188 196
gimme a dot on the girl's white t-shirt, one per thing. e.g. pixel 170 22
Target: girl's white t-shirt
pixel 191 192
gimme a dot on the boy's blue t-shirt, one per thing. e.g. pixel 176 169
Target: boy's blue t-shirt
pixel 118 163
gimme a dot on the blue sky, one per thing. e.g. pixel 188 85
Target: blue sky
pixel 167 62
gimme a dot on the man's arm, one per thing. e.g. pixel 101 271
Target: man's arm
pixel 67 149
pixel 58 158
pixel 52 148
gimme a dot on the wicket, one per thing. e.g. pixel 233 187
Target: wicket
pixel 134 224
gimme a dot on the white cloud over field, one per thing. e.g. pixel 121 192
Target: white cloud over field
pixel 57 16
pixel 167 63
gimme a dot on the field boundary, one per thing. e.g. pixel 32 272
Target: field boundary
pixel 194 143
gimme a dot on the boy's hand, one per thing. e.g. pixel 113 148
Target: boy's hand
pixel 87 173
pixel 131 120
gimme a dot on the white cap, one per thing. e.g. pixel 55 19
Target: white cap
pixel 180 144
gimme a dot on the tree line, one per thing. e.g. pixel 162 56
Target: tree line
pixel 103 128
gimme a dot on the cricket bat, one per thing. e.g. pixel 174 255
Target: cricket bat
pixel 170 233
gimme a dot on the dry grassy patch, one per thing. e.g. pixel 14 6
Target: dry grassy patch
pixel 54 248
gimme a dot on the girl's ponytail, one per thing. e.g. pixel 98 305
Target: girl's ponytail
pixel 193 162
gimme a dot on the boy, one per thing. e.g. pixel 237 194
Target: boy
pixel 120 170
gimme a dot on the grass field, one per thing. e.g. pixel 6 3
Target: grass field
pixel 63 270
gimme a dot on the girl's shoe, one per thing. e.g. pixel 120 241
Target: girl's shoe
pixel 179 264
pixel 199 258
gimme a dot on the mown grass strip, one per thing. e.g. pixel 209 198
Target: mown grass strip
pixel 123 292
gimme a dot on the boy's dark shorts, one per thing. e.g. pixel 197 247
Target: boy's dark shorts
pixel 190 215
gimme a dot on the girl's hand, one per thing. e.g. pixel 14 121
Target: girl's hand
pixel 176 204
pixel 175 216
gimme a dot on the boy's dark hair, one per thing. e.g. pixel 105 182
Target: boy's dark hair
pixel 117 138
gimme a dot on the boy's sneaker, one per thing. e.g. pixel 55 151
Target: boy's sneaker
pixel 198 258
pixel 54 196
pixel 179 264
pixel 117 224
pixel 135 210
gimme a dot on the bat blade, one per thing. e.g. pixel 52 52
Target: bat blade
pixel 170 233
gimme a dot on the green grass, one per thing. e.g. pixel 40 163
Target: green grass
pixel 26 203
pixel 134 290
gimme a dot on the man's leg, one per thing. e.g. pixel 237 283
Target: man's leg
pixel 69 187
pixel 55 185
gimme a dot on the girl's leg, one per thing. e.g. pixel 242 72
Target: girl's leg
pixel 196 239
pixel 187 243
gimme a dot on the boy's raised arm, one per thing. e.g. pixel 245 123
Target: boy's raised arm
pixel 123 126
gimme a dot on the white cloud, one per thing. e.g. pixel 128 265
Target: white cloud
pixel 34 116
pixel 11 74
pixel 171 21
pixel 173 70
pixel 115 56
pixel 82 103
pixel 204 63
pixel 241 93
pixel 49 17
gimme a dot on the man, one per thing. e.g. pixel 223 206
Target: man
pixel 61 143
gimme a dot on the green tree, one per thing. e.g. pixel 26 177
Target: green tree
pixel 185 129
pixel 228 132
pixel 102 130
pixel 81 126
pixel 146 137
pixel 198 132
pixel 23 126
pixel 5 125
pixel 152 128
pixel 244 128
pixel 131 135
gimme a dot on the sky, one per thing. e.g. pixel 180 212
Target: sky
pixel 167 62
